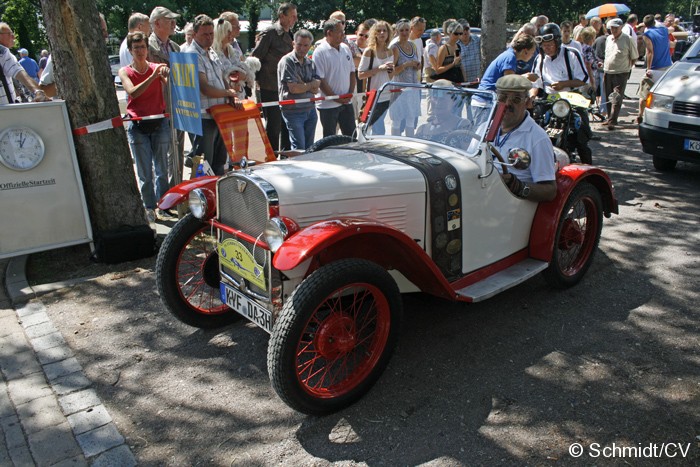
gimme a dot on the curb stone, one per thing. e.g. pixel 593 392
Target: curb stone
pixel 49 412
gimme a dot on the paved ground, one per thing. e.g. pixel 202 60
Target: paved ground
pixel 511 381
pixel 50 414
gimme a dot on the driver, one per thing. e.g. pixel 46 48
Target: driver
pixel 519 130
pixel 559 69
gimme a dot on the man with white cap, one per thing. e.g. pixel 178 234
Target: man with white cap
pixel 620 56
pixel 519 130
pixel 163 22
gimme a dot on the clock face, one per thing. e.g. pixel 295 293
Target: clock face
pixel 21 148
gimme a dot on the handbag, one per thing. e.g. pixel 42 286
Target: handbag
pixel 148 126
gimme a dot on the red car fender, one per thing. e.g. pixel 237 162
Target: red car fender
pixel 335 239
pixel 179 193
pixel 544 225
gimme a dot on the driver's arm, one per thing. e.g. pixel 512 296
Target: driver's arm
pixel 542 191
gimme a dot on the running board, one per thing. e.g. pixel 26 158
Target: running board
pixel 503 280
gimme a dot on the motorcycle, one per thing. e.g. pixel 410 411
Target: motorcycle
pixel 562 117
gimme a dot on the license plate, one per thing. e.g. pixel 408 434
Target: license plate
pixel 554 132
pixel 246 307
pixel 691 145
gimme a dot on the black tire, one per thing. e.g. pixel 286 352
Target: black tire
pixel 664 165
pixel 332 140
pixel 329 345
pixel 187 276
pixel 578 233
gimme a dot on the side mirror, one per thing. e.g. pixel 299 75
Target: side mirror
pixel 519 158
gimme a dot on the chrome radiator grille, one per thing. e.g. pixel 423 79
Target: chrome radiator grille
pixel 243 204
pixel 246 209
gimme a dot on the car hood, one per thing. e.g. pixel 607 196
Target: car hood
pixel 682 81
pixel 337 174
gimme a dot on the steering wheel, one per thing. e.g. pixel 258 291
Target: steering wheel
pixel 457 138
pixel 499 157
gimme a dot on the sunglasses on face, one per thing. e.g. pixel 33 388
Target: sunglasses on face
pixel 364 35
pixel 545 38
pixel 515 100
pixel 457 33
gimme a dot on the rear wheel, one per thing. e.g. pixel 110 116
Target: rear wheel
pixel 578 233
pixel 334 336
pixel 664 165
pixel 332 140
pixel 187 275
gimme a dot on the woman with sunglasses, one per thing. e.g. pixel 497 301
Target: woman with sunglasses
pixel 235 71
pixel 448 62
pixel 377 67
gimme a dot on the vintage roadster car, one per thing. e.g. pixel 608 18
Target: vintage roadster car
pixel 317 249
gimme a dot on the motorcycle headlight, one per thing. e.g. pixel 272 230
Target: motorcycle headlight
pixel 198 203
pixel 659 102
pixel 561 108
pixel 275 233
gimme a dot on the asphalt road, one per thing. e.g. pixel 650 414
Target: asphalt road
pixel 516 380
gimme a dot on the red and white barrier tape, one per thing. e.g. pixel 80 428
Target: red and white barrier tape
pixel 115 122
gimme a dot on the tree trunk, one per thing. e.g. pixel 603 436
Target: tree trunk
pixel 493 30
pixel 84 80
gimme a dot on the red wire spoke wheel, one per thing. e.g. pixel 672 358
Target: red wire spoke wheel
pixel 334 336
pixel 187 275
pixel 578 233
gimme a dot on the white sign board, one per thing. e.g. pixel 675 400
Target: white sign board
pixel 42 204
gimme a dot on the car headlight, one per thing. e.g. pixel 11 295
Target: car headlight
pixel 276 232
pixel 659 102
pixel 198 203
pixel 561 108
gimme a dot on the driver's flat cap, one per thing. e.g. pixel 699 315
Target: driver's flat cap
pixel 513 82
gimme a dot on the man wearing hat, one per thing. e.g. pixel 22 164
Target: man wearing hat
pixel 620 56
pixel 163 22
pixel 519 130
pixel 29 64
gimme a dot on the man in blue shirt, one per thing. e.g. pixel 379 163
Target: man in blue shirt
pixel 658 58
pixel 29 64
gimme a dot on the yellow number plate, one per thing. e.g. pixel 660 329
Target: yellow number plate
pixel 235 256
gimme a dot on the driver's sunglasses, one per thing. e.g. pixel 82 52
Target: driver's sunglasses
pixel 515 100
pixel 545 38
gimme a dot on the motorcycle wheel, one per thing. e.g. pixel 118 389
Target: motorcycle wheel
pixel 187 276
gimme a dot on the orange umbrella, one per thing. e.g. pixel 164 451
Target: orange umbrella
pixel 609 9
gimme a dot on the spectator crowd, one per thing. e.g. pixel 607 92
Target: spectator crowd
pixel 592 56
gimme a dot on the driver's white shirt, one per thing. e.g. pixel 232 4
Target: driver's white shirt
pixel 531 137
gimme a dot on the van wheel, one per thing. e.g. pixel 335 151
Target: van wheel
pixel 664 165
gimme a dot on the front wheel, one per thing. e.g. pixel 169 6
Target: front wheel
pixel 664 165
pixel 578 233
pixel 334 336
pixel 187 276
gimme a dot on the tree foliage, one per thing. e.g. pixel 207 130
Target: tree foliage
pixel 28 34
